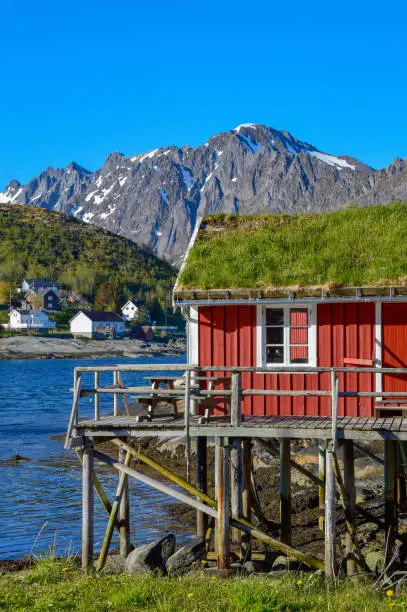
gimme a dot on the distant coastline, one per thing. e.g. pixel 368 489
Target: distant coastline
pixel 37 347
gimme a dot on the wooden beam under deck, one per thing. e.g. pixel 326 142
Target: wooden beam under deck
pixel 393 428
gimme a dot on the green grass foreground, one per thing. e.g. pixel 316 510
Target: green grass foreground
pixel 58 585
pixel 354 247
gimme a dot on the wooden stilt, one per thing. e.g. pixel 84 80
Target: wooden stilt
pixel 285 491
pixel 350 490
pixel 113 516
pixel 330 489
pixel 390 487
pixel 222 527
pixel 401 478
pixel 124 513
pixel 99 490
pixel 236 485
pixel 201 483
pixel 87 507
pixel 210 508
pixel 246 547
pixel 321 486
pixel 187 412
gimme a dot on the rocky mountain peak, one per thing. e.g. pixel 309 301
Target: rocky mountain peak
pixel 154 198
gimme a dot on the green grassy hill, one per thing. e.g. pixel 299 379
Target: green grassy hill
pixel 45 244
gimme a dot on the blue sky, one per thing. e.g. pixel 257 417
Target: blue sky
pixel 82 79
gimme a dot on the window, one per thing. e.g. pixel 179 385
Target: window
pixel 286 336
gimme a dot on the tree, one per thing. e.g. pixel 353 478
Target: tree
pixel 109 296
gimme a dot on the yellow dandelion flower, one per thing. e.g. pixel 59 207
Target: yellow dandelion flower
pixel 190 595
pixel 204 562
pixel 66 569
pixel 389 593
pixel 299 582
pixel 347 594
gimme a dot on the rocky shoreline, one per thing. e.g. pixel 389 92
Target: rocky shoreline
pixel 37 347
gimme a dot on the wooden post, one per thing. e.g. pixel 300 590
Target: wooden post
pixel 187 409
pixel 97 396
pixel 222 527
pixel 285 491
pixel 236 454
pixel 87 506
pixel 401 478
pixel 115 395
pixel 201 483
pixel 390 487
pixel 124 513
pixel 350 490
pixel 246 547
pixel 321 487
pixel 330 489
pixel 236 485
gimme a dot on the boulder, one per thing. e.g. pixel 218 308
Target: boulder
pixel 287 564
pixel 187 558
pixel 150 557
pixel 114 564
pixel 375 560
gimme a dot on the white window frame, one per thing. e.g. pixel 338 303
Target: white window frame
pixel 312 336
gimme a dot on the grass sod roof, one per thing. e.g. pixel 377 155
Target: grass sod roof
pixel 358 247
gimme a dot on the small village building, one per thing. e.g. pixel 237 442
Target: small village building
pixel 42 299
pixel 30 320
pixel 300 292
pixel 130 311
pixel 37 284
pixel 97 324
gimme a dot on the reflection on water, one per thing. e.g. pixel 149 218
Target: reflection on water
pixel 41 498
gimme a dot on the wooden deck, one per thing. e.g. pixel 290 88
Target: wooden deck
pixel 350 428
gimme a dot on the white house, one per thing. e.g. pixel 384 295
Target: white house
pixel 130 311
pixel 97 324
pixel 29 319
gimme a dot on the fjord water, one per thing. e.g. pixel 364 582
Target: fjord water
pixel 40 506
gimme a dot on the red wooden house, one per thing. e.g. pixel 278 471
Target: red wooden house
pixel 339 305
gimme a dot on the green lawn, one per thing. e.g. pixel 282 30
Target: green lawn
pixel 57 585
pixel 354 247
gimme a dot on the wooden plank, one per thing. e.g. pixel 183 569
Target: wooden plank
pixel 87 507
pixel 201 483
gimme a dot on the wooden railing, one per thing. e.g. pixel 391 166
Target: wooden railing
pixel 200 386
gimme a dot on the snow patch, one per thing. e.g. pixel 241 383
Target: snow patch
pixel 15 196
pixel 122 180
pixel 141 158
pixel 37 197
pixel 99 181
pixel 4 199
pixel 164 196
pixel 90 196
pixel 88 216
pixel 244 125
pixel 206 180
pixel 159 233
pixel 105 192
pixel 77 211
pixel 111 211
pixel 331 160
pixel 234 180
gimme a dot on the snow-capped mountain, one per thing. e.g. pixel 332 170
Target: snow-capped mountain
pixel 154 198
